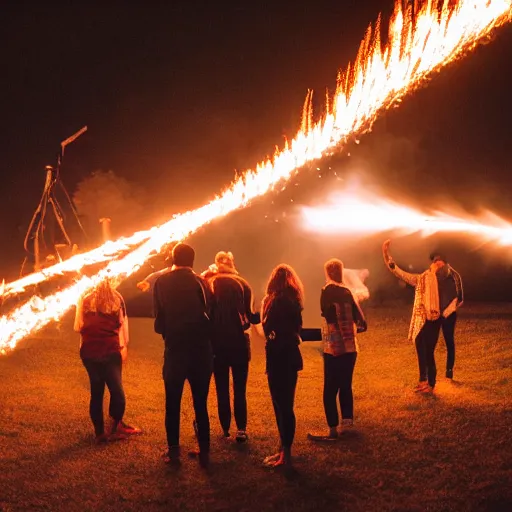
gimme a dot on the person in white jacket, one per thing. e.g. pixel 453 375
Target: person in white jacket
pixel 438 295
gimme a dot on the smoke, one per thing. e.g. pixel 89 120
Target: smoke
pixel 105 194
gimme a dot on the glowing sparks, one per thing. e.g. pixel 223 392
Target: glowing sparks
pixel 351 214
pixel 377 80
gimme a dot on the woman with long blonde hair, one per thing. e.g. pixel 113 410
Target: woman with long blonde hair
pixel 282 323
pixel 103 325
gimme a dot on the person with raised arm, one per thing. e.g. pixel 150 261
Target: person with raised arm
pixel 438 295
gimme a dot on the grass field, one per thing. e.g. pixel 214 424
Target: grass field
pixel 452 451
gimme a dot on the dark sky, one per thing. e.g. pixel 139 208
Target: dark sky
pixel 176 97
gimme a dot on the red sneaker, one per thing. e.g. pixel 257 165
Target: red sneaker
pixel 128 430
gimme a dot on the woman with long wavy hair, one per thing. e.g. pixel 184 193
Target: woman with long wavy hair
pixel 103 325
pixel 282 323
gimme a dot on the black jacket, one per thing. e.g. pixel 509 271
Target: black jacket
pixel 182 302
pixel 282 323
pixel 232 312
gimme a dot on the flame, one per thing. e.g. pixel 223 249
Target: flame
pixel 379 78
pixel 365 214
pixel 77 262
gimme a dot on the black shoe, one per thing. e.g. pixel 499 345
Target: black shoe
pixel 449 374
pixel 202 456
pixel 241 437
pixel 172 455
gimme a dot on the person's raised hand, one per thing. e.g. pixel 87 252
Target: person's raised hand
pixel 143 286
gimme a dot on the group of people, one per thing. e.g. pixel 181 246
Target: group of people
pixel 204 322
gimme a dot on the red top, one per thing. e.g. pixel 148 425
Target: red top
pixel 100 332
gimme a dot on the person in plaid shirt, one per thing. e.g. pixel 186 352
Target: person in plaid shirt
pixel 342 319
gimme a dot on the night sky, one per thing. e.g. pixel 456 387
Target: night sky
pixel 177 97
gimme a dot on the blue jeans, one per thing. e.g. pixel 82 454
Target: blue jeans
pixel 107 371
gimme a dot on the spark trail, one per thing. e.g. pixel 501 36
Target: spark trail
pixel 379 78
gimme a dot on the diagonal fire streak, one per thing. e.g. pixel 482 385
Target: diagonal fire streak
pixel 378 79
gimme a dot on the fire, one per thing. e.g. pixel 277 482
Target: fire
pixel 353 213
pixel 379 78
pixel 75 264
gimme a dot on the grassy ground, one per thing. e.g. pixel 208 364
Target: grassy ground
pixel 447 452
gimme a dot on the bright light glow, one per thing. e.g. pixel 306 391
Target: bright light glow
pixel 378 79
pixel 365 214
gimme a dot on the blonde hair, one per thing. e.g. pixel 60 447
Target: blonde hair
pixel 104 299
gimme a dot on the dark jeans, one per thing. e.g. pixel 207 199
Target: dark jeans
pixel 109 372
pixel 448 327
pixel 240 372
pixel 338 372
pixel 197 369
pixel 282 384
pixel 426 342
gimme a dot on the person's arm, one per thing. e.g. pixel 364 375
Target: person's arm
pixel 407 277
pixel 358 316
pixel 254 318
pixel 458 286
pixel 79 315
pixel 208 296
pixel 124 332
pixel 158 310
pixel 149 281
pixel 324 304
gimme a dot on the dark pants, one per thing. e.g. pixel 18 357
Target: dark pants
pixel 426 342
pixel 282 384
pixel 448 327
pixel 240 372
pixel 109 372
pixel 197 369
pixel 338 372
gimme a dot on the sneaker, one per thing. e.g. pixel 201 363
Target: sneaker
pixel 102 438
pixel 241 436
pixel 421 386
pixel 123 428
pixel 426 389
pixel 226 434
pixel 322 438
pixel 449 373
pixel 271 459
pixel 171 455
pixel 202 456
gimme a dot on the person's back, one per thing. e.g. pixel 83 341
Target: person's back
pixel 100 327
pixel 342 316
pixel 230 319
pixel 182 308
pixel 182 305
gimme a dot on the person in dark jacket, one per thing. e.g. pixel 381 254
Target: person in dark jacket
pixel 103 326
pixel 451 297
pixel 342 318
pixel 232 316
pixel 282 323
pixel 183 302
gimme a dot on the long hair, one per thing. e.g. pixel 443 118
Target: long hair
pixel 285 281
pixel 104 299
